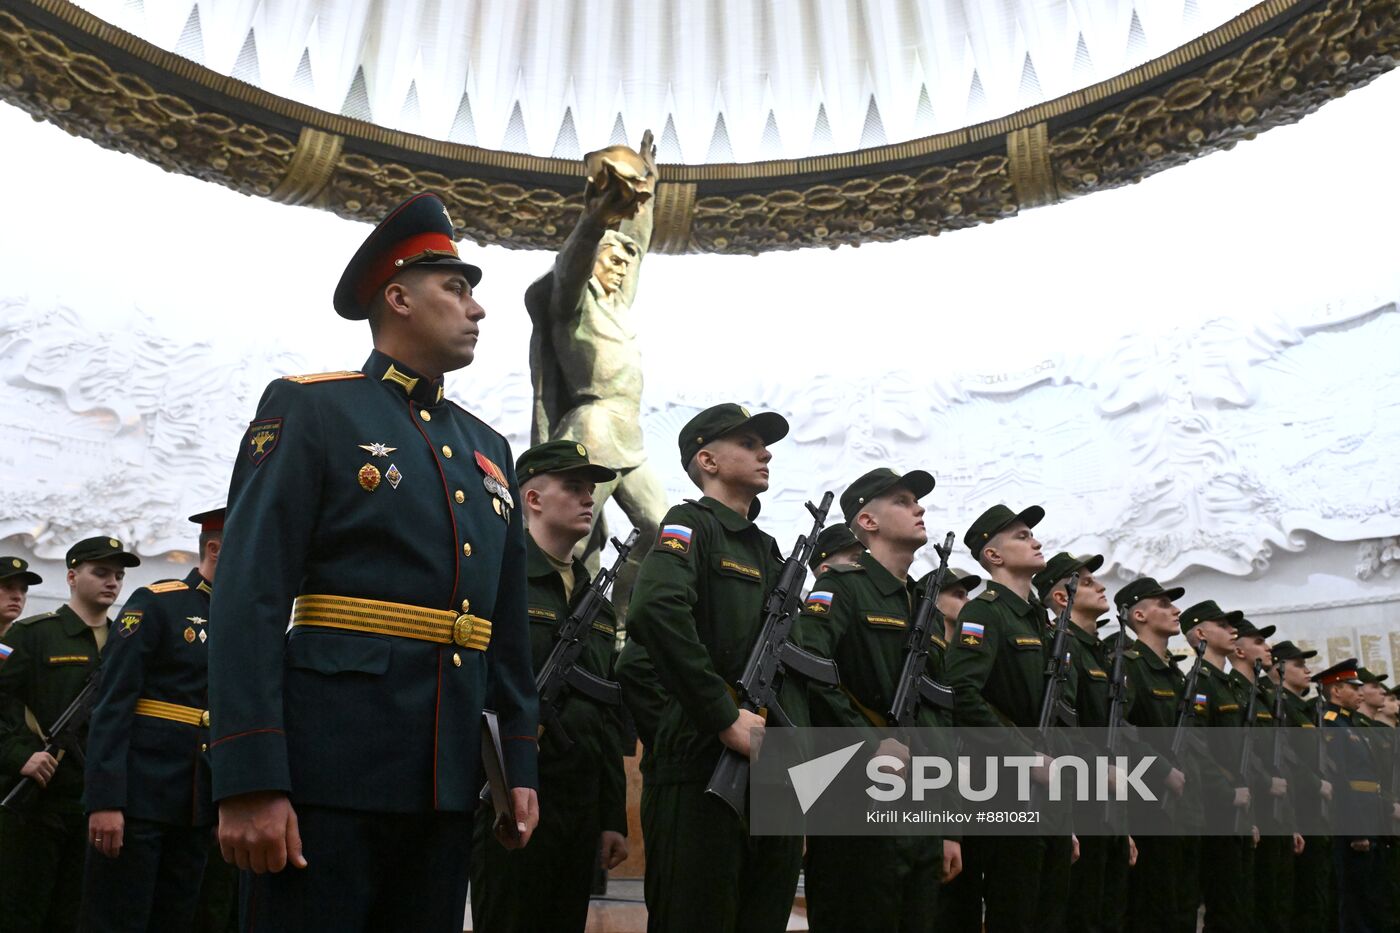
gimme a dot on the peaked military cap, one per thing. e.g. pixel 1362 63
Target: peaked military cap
pixel 211 520
pixel 418 234
pixel 719 420
pixel 100 548
pixel 1146 588
pixel 16 570
pixel 956 577
pixel 833 540
pixel 1367 677
pixel 992 521
pixel 561 456
pixel 1060 567
pixel 1209 611
pixel 1343 672
pixel 880 481
pixel 1287 651
pixel 1247 629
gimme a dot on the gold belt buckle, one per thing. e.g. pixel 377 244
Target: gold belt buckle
pixel 462 629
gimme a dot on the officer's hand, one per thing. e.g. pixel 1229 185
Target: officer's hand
pixel 952 860
pixel 1241 797
pixel 1278 787
pixel 1254 834
pixel 1361 845
pixel 1325 789
pixel 105 829
pixel 526 803
pixel 1073 848
pixel 40 768
pixel 1132 852
pixel 1176 781
pixel 1298 843
pixel 614 848
pixel 738 736
pixel 895 749
pixel 258 832
pixel 1041 772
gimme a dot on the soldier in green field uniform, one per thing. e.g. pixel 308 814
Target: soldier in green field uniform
pixel 1163 885
pixel 1273 855
pixel 1310 902
pixel 996 667
pixel 1227 860
pixel 583 794
pixel 15 580
pixel 836 545
pixel 44 662
pixel 1099 878
pixel 1373 697
pixel 859 615
pixel 697 609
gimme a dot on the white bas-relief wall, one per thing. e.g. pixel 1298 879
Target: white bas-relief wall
pixel 1250 462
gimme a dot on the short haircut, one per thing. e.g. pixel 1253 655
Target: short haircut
pixel 205 537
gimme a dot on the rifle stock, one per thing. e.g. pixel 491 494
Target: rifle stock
pixel 914 687
pixel 60 737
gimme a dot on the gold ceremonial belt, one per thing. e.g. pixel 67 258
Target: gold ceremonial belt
pixel 159 709
pixel 440 626
pixel 1365 787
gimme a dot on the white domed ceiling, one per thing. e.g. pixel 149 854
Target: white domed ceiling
pixel 722 81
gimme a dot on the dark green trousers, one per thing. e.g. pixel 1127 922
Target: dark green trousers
pixel 704 870
pixel 960 900
pixel 1025 882
pixel 1313 885
pixel 544 886
pixel 1164 894
pixel 41 870
pixel 1227 883
pixel 886 884
pixel 1273 882
pixel 1098 885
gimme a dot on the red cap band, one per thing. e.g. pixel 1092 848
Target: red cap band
pixel 1338 677
pixel 213 523
pixel 386 265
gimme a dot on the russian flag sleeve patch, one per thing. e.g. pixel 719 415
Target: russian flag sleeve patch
pixel 818 602
pixel 674 538
pixel 972 633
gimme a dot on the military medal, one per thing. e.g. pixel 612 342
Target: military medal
pixel 377 450
pixel 203 636
pixel 369 477
pixel 189 635
pixel 393 476
pixel 495 482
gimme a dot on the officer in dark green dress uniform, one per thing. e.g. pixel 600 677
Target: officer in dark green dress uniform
pixel 996 669
pixel 1099 878
pixel 583 793
pixel 858 615
pixel 1164 891
pixel 697 609
pixel 147 786
pixel 44 662
pixel 384 521
pixel 1312 868
pixel 1357 858
pixel 836 545
pixel 15 580
pixel 1227 860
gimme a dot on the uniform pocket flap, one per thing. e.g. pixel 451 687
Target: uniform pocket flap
pixel 333 653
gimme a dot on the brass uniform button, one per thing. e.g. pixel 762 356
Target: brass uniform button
pixel 423 413
pixel 459 496
pixel 447 451
pixel 467 549
pixel 456 659
pixel 203 747
pixel 204 718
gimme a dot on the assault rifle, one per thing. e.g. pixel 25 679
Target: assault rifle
pixel 60 739
pixel 1326 770
pixel 561 669
pixel 1052 704
pixel 1280 712
pixel 1246 747
pixel 915 686
pixel 1118 698
pixel 773 656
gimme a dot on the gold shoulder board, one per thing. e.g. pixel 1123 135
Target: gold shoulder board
pixel 168 586
pixel 326 377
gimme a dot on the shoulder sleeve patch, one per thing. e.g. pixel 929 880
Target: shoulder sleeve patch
pixel 168 586
pixel 971 633
pixel 336 376
pixel 675 538
pixel 261 439
pixel 129 622
pixel 818 602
